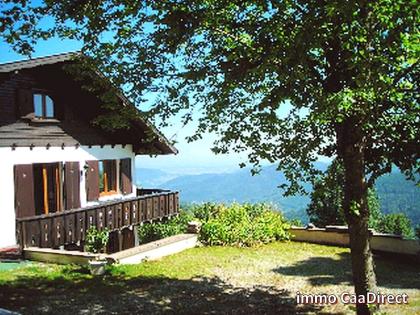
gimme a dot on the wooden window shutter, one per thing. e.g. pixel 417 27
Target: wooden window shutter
pixel 125 169
pixel 25 103
pixel 59 106
pixel 24 191
pixel 72 185
pixel 92 180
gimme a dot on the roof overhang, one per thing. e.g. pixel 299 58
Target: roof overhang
pixel 156 145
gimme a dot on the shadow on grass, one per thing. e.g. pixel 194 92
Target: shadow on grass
pixel 321 270
pixel 77 293
pixel 390 272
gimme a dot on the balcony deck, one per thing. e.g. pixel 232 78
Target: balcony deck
pixel 70 226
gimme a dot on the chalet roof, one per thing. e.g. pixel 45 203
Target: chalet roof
pixel 161 144
pixel 35 62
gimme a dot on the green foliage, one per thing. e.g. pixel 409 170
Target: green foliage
pixel 205 211
pixel 397 195
pixel 96 240
pixel 326 205
pixel 395 223
pixel 296 222
pixel 157 230
pixel 375 214
pixel 241 225
pixel 280 80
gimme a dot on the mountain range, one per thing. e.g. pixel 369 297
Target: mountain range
pixel 396 194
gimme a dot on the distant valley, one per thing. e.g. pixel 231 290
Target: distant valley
pixel 396 194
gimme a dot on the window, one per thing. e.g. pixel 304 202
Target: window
pixel 43 106
pixel 44 188
pixel 107 177
pixel 47 187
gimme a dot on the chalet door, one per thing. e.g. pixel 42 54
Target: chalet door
pixel 47 187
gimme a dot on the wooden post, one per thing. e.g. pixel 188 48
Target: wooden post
pixel 120 240
pixel 45 185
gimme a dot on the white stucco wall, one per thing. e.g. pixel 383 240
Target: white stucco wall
pixel 24 155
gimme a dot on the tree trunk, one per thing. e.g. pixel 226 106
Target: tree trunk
pixel 364 279
pixel 356 210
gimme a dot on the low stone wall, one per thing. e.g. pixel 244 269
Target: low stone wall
pixel 389 244
pixel 339 236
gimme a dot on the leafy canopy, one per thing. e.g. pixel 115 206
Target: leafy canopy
pixel 326 205
pixel 236 64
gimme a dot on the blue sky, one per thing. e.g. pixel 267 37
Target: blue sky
pixel 193 158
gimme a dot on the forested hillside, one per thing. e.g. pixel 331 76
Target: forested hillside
pixel 396 194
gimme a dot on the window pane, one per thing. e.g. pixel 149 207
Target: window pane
pixel 107 176
pixel 101 176
pixel 47 185
pixel 38 105
pixel 111 170
pixel 49 107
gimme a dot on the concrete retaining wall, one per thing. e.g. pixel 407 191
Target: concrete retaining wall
pixel 338 236
pixel 155 250
pixel 149 251
pixel 57 256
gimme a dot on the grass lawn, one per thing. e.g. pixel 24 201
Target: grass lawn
pixel 209 280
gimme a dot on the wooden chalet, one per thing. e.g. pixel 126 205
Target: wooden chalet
pixel 60 173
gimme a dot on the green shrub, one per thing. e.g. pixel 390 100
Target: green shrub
pixel 241 225
pixel 96 240
pixel 418 231
pixel 395 223
pixel 204 212
pixel 157 230
pixel 296 222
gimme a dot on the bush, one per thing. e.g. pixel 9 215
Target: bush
pixel 296 222
pixel 418 231
pixel 395 223
pixel 240 225
pixel 157 230
pixel 96 240
pixel 204 212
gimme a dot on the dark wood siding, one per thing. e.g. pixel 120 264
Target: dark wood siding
pixel 74 118
pixel 125 169
pixel 24 191
pixel 25 103
pixel 59 105
pixel 92 180
pixel 9 93
pixel 72 185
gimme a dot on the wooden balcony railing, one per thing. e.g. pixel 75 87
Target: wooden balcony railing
pixel 69 227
